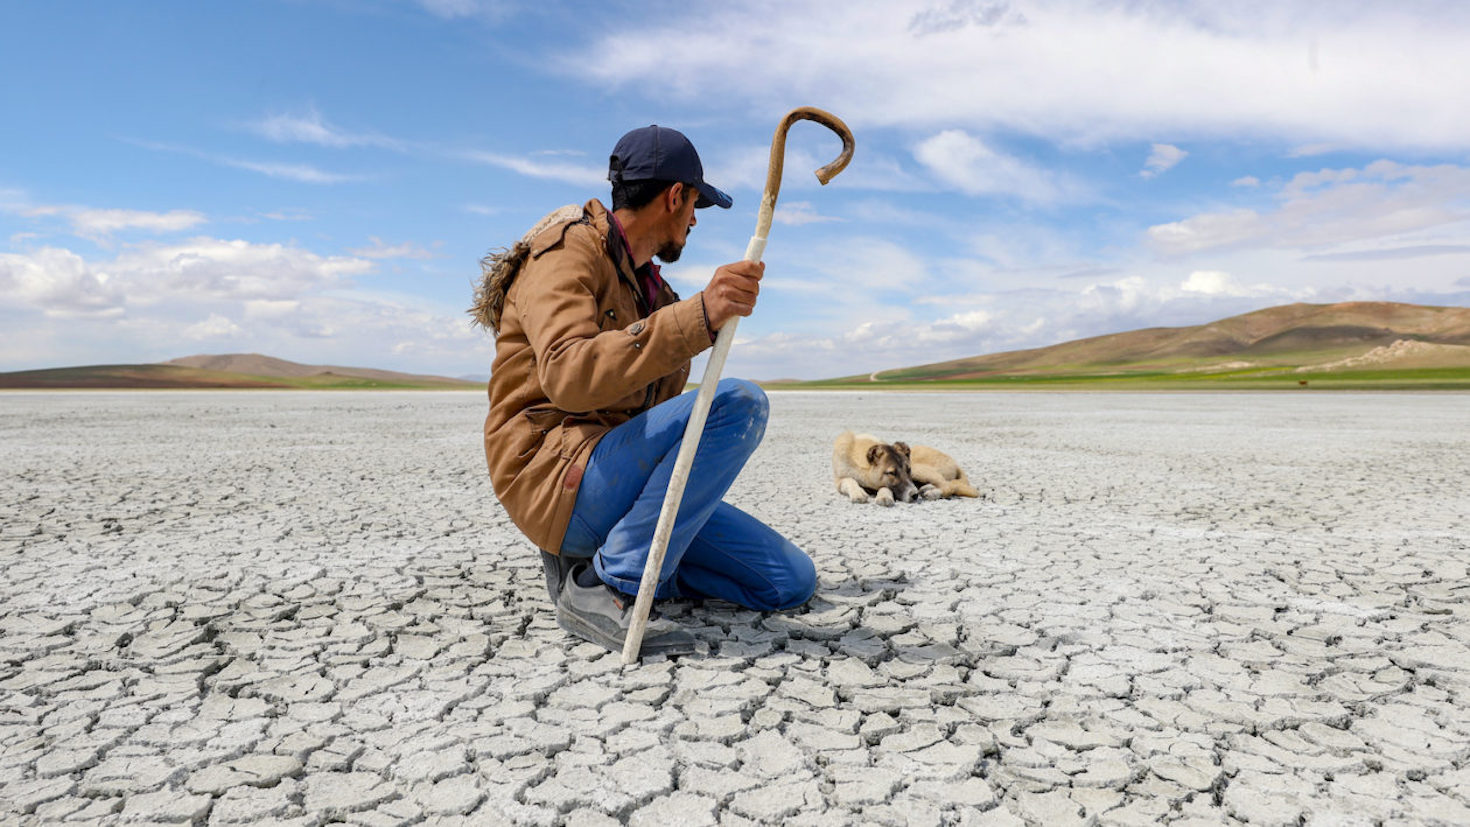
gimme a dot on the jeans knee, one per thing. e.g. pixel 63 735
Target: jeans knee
pixel 800 584
pixel 745 401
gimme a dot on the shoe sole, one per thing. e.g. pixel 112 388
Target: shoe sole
pixel 651 646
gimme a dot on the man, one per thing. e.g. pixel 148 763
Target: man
pixel 587 409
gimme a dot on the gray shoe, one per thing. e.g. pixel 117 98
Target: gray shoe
pixel 602 615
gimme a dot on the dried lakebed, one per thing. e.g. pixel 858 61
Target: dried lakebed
pixel 307 608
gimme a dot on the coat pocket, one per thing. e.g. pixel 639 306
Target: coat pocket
pixel 544 426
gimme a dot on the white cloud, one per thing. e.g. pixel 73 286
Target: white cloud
pixel 1206 231
pixel 379 250
pixel 1220 283
pixel 1163 158
pixel 59 283
pixel 303 173
pixel 797 213
pixel 1329 207
pixel 214 327
pixel 288 215
pixel 961 161
pixel 1350 75
pixel 565 172
pixel 93 222
pixel 270 308
pixel 312 128
pixel 99 224
pixel 1250 181
pixel 1393 253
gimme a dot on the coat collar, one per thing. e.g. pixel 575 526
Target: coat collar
pixel 617 250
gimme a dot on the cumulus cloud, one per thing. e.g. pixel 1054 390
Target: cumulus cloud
pixel 1084 72
pixel 214 327
pixel 60 283
pixel 1220 283
pixel 963 162
pixel 1163 158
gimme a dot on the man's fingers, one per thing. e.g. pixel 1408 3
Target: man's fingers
pixel 749 269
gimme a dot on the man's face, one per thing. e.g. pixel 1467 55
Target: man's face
pixel 681 221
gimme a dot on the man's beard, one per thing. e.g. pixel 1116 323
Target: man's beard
pixel 670 252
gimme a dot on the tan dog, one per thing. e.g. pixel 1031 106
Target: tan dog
pixel 863 466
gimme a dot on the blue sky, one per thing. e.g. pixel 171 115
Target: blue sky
pixel 317 180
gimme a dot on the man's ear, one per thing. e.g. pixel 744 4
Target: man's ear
pixel 674 196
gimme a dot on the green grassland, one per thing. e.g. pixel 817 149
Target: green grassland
pixel 1283 378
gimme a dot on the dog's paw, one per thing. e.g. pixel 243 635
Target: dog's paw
pixel 885 497
pixel 931 492
pixel 859 497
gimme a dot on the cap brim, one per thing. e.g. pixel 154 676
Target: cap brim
pixel 709 196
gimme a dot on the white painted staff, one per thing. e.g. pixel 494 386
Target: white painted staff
pixel 692 433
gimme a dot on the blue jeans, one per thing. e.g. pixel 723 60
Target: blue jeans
pixel 716 550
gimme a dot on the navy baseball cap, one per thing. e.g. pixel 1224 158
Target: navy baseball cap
pixel 662 154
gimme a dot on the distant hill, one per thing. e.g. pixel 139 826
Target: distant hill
pixel 1329 340
pixel 234 370
pixel 255 364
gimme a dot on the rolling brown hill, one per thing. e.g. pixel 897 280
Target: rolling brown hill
pixel 1297 335
pixel 241 370
pixel 255 364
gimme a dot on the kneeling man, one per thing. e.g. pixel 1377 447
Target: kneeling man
pixel 587 409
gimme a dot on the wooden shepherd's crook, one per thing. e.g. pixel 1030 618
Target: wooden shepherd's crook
pixel 695 429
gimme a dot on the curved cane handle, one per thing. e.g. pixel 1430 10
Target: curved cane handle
pixel 778 160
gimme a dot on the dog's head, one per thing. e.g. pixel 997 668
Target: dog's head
pixel 889 466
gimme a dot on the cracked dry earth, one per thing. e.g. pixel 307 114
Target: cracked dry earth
pixel 307 608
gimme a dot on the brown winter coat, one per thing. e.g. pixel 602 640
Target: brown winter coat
pixel 578 353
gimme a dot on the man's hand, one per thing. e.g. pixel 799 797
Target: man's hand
pixel 732 292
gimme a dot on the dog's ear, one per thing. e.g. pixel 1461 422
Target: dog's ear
pixel 874 452
pixel 901 447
